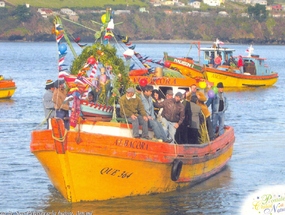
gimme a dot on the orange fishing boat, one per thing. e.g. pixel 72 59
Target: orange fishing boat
pixel 7 88
pixel 99 159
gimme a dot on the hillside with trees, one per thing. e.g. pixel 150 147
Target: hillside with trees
pixel 26 24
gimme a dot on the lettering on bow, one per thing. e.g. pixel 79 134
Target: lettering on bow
pixel 135 144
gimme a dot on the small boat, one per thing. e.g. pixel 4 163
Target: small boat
pixel 7 88
pixel 96 112
pixel 255 71
pixel 99 159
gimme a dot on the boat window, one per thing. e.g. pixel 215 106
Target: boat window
pixel 163 90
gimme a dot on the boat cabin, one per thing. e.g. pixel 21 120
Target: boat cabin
pixel 254 65
pixel 209 54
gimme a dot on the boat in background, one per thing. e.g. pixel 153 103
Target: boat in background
pixel 185 65
pixel 99 159
pixel 256 72
pixel 7 88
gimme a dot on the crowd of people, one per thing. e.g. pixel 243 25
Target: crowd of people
pixel 183 118
pixel 180 118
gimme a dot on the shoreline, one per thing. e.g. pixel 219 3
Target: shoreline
pixel 173 41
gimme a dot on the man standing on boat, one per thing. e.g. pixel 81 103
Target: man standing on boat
pixel 47 101
pixel 219 105
pixel 240 64
pixel 149 108
pixel 173 114
pixel 61 104
pixel 132 109
pixel 218 61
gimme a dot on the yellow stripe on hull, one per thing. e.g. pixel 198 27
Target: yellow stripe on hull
pixel 7 93
pixel 188 72
pixel 241 80
pixel 89 177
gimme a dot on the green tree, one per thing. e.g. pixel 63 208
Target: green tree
pixel 257 12
pixel 22 13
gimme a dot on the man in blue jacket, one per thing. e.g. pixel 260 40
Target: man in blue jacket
pixel 219 105
pixel 149 108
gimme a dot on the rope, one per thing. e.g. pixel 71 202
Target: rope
pixel 126 120
pixel 45 119
pixel 60 139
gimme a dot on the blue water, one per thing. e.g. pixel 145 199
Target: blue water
pixel 256 115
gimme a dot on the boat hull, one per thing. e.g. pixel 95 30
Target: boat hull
pixel 102 167
pixel 235 80
pixel 185 66
pixel 7 89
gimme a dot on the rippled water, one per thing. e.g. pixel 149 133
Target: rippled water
pixel 258 158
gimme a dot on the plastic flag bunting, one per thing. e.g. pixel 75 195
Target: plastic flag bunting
pixel 77 41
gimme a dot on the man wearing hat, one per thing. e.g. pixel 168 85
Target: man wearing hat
pixel 47 101
pixel 169 94
pixel 173 114
pixel 219 105
pixel 132 109
pixel 61 105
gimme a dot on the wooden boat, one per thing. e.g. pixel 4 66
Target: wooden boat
pixel 107 163
pixel 96 112
pixel 185 65
pixel 101 160
pixel 7 88
pixel 256 72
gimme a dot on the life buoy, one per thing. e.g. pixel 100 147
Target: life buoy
pixel 176 169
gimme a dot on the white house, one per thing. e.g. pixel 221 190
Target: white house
pixel 223 13
pixel 195 4
pixel 156 4
pixel 143 10
pixel 118 12
pixel 261 2
pixel 45 12
pixel 213 3
pixel 2 4
pixel 67 11
pixel 168 3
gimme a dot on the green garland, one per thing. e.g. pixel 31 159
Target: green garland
pixel 107 56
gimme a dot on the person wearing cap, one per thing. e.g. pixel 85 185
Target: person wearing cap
pixel 132 109
pixel 169 94
pixel 149 108
pixel 47 101
pixel 240 64
pixel 61 105
pixel 219 105
pixel 172 115
pixel 207 115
